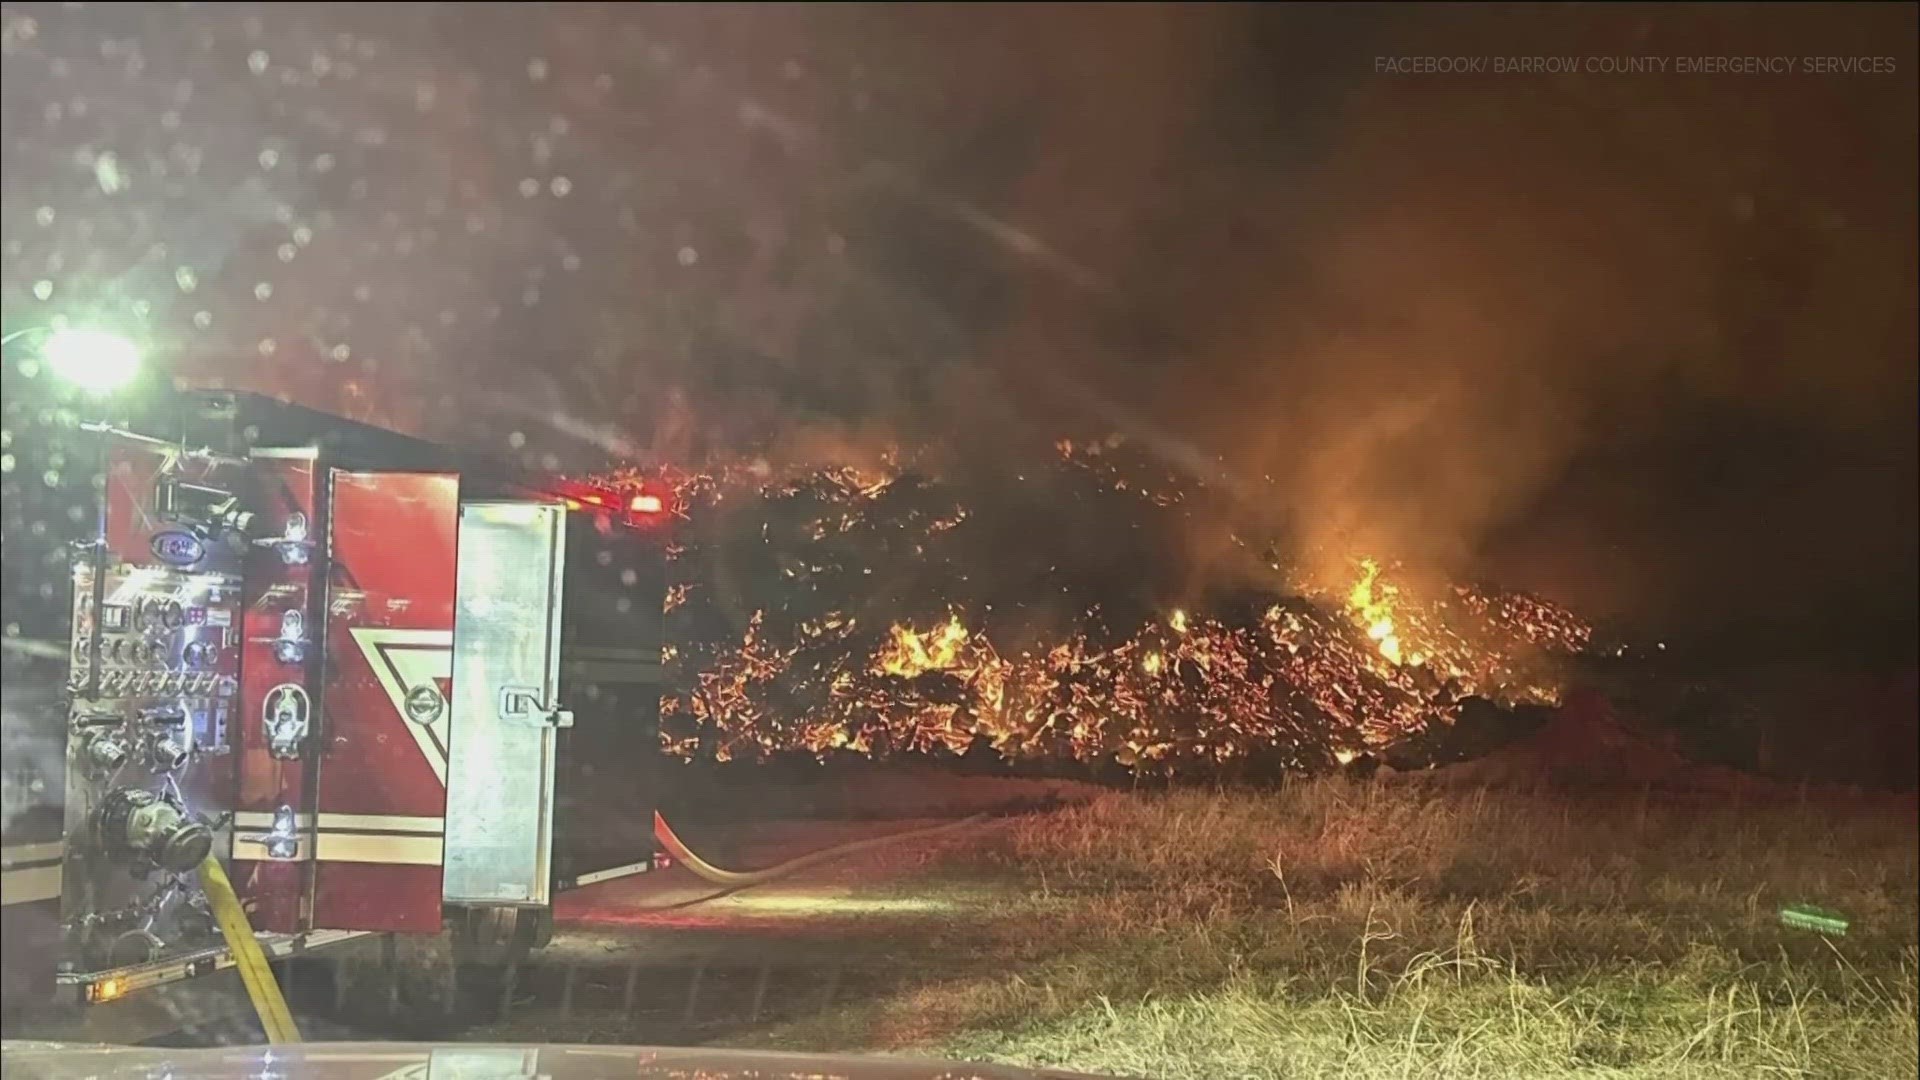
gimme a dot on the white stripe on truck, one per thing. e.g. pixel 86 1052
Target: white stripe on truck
pixel 401 823
pixel 397 839
pixel 418 850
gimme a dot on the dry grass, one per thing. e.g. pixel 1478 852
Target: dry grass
pixel 1384 930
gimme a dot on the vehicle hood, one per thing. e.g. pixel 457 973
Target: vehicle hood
pixel 425 1061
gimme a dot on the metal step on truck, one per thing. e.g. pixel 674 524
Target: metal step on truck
pixel 385 686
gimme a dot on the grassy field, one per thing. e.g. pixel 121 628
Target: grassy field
pixel 1337 929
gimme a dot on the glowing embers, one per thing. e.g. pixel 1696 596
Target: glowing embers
pixel 910 653
pixel 836 611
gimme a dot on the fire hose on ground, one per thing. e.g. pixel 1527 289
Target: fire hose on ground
pixel 263 990
pixel 255 973
pixel 737 879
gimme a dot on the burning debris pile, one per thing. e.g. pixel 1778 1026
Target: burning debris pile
pixel 1044 614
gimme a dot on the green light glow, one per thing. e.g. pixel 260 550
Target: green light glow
pixel 94 360
pixel 1810 917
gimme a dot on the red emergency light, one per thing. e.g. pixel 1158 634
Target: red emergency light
pixel 642 509
pixel 648 508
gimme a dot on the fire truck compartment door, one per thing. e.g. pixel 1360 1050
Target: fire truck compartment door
pixel 506 672
pixel 383 725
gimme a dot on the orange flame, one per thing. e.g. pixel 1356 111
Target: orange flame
pixel 1372 603
pixel 911 653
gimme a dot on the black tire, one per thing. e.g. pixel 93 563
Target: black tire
pixel 500 936
pixel 401 985
pixel 428 979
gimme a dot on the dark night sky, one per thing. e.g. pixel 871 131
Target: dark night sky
pixel 1646 342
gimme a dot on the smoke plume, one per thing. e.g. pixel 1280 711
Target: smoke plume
pixel 1644 341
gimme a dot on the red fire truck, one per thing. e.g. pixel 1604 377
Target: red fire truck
pixel 393 687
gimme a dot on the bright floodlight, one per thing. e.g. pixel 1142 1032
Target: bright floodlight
pixel 93 360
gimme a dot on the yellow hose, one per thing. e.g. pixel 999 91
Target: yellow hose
pixel 262 989
pixel 737 879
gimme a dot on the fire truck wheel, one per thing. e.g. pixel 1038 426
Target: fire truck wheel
pixel 427 977
pixel 400 984
pixel 497 937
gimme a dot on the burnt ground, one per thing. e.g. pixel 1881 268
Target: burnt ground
pixel 665 957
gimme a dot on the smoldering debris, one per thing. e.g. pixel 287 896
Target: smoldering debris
pixel 1049 614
